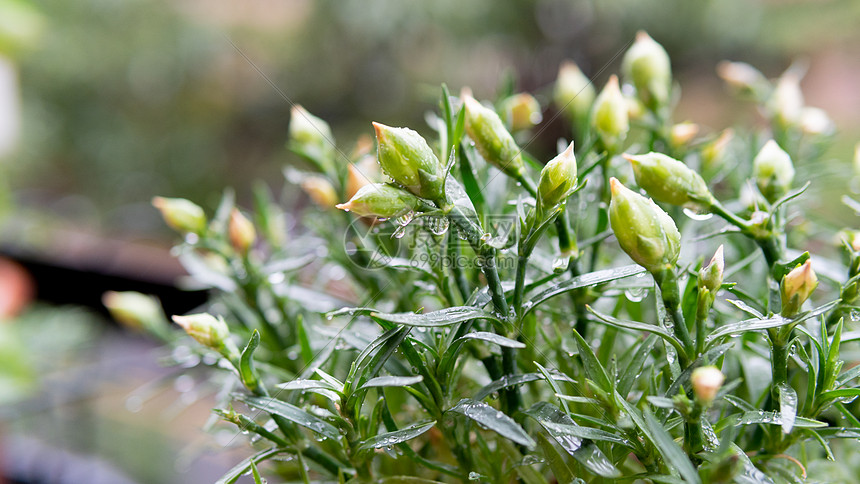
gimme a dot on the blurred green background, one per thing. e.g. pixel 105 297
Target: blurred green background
pixel 118 101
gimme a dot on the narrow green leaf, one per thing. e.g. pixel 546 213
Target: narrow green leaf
pixel 847 393
pixel 630 373
pixel 557 464
pixel 492 338
pixel 671 451
pixel 494 420
pixel 302 384
pixel 255 473
pixel 392 381
pixel 246 362
pixel 772 418
pixel 848 375
pixel 390 439
pixel 306 351
pixel 593 368
pixel 637 326
pixel 787 406
pixel 824 445
pixel 243 467
pixel 293 414
pixel 760 324
pixel 584 280
pixel 509 381
pixel 442 317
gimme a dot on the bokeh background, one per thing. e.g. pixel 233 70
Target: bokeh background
pixel 104 104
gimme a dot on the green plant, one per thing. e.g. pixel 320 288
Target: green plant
pixel 492 330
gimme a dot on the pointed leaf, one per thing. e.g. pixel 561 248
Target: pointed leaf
pixel 637 326
pixel 443 317
pixel 246 362
pixel 392 381
pixel 787 406
pixel 593 368
pixel 293 414
pixel 509 381
pixel 494 420
pixel 670 450
pixel 492 338
pixel 390 439
pixel 243 467
pixel 584 280
pixel 557 464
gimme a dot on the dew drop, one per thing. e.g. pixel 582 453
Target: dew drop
pixel 636 294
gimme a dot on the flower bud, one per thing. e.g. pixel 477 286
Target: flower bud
pixel 363 172
pixel 311 135
pixel 241 232
pixel 786 102
pixel 670 181
pixel 609 116
pixel 773 171
pixel 816 122
pixel 405 157
pixel 492 140
pixel 715 152
pixel 320 190
pixel 857 159
pixel 645 232
pixel 743 78
pixel 706 382
pixel 711 276
pixel 574 93
pixel 796 287
pixel 135 310
pixel 209 331
pixel 521 111
pixel 382 201
pixel 181 215
pixel 682 133
pixel 646 66
pixel 558 179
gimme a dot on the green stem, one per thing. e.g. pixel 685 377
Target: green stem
pixel 668 282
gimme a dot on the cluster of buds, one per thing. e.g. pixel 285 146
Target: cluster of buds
pixel 644 231
pixel 796 287
pixel 609 116
pixel 670 181
pixel 646 66
pixel 558 179
pixel 773 171
pixel 210 332
pixel 492 140
pixel 574 93
pixel 181 215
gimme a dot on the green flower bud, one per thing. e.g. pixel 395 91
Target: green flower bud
pixel 521 111
pixel 241 232
pixel 381 200
pixel 682 133
pixel 796 287
pixel 181 215
pixel 405 157
pixel 135 310
pixel 816 122
pixel 558 179
pixel 209 331
pixel 706 382
pixel 714 153
pixel 492 140
pixel 321 191
pixel 670 181
pixel 773 171
pixel 311 135
pixel 645 232
pixel 609 116
pixel 574 93
pixel 711 276
pixel 786 102
pixel 646 66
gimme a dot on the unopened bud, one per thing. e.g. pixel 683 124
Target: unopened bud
pixel 851 238
pixel 816 122
pixel 574 93
pixel 706 382
pixel 135 310
pixel 310 135
pixel 796 287
pixel 181 215
pixel 381 200
pixel 492 140
pixel 711 276
pixel 241 232
pixel 521 111
pixel 786 102
pixel 743 78
pixel 773 171
pixel 209 331
pixel 646 65
pixel 558 179
pixel 670 181
pixel 321 191
pixel 407 158
pixel 609 116
pixel 363 172
pixel 714 153
pixel 645 232
pixel 682 133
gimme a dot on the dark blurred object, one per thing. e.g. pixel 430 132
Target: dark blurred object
pixel 16 288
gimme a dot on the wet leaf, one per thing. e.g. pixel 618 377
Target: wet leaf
pixel 671 451
pixel 392 381
pixel 492 338
pixel 390 439
pixel 293 414
pixel 584 280
pixel 494 420
pixel 245 466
